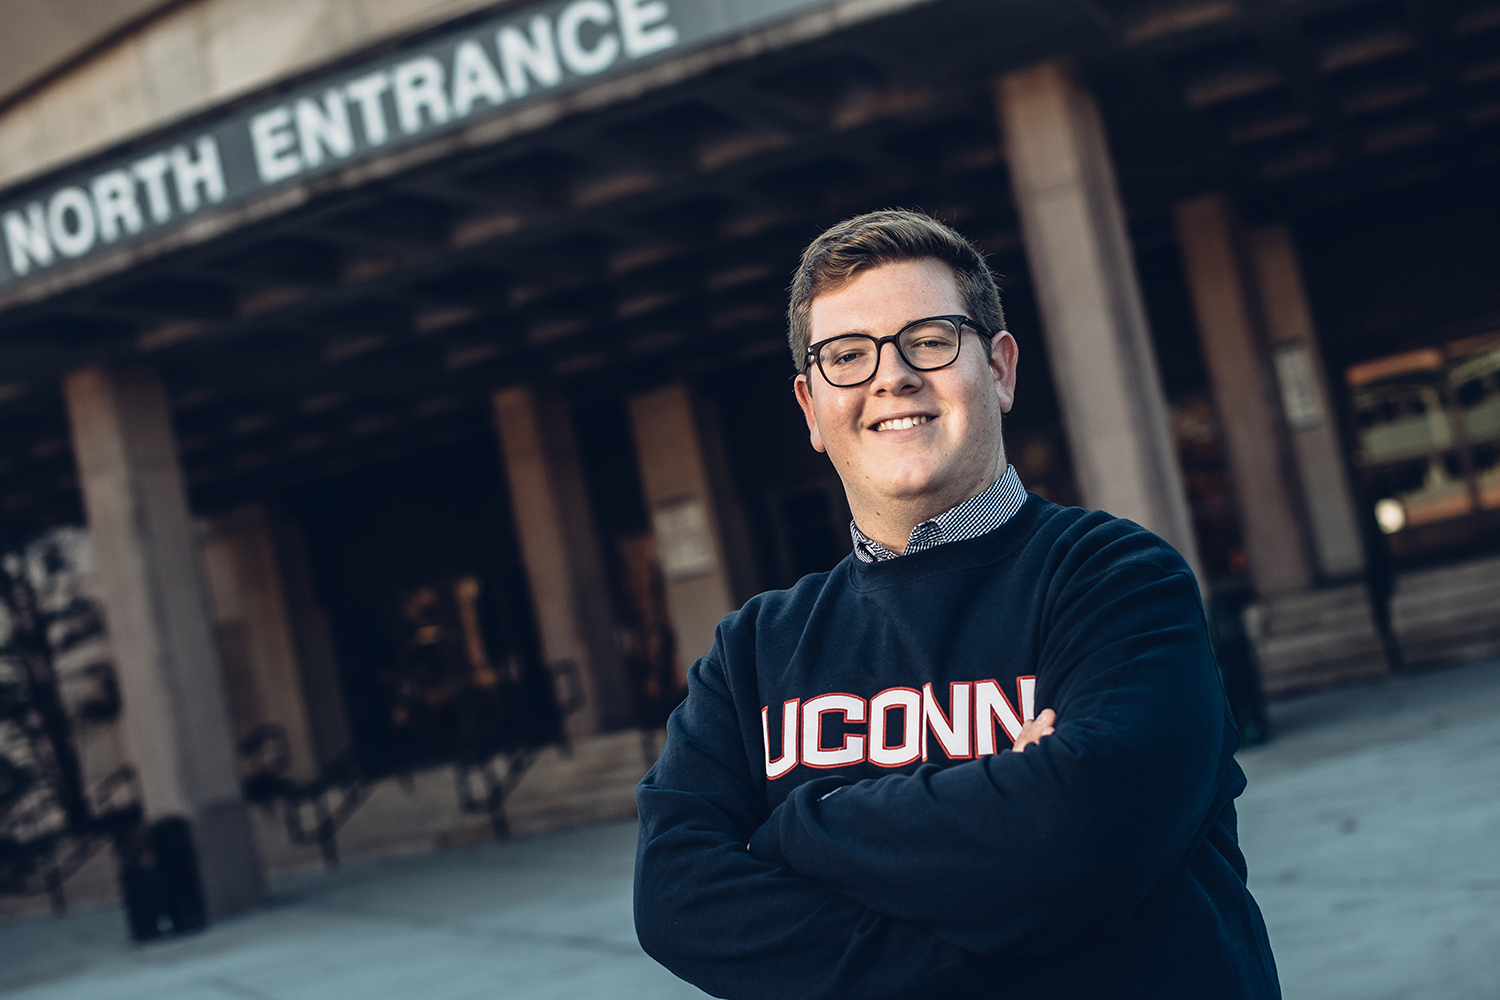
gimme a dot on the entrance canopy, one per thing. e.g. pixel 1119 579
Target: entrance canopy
pixel 317 299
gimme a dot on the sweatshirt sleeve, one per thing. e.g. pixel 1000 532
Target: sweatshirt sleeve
pixel 737 926
pixel 1024 853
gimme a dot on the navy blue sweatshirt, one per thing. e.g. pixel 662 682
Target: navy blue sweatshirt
pixel 836 813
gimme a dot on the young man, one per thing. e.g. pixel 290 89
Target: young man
pixel 832 816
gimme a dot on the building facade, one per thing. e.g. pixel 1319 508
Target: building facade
pixel 418 367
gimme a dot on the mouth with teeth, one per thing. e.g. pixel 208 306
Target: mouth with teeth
pixel 900 423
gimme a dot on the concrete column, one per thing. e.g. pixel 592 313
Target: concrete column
pixel 1124 458
pixel 1244 389
pixel 261 669
pixel 175 719
pixel 689 535
pixel 561 553
pixel 1306 404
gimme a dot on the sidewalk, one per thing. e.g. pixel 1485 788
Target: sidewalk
pixel 1371 826
pixel 1372 829
pixel 540 918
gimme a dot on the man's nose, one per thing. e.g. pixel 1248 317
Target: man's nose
pixel 892 374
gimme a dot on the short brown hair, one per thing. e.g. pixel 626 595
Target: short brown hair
pixel 887 237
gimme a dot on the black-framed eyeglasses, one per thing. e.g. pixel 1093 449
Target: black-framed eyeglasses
pixel 925 345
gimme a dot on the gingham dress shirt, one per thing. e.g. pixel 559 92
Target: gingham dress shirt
pixel 970 519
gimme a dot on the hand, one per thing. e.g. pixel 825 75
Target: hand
pixel 1033 731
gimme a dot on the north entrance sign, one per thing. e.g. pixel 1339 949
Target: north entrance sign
pixel 441 85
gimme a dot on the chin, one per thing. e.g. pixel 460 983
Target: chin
pixel 907 483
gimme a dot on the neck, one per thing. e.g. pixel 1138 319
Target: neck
pixel 889 520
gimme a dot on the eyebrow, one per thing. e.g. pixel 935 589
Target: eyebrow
pixel 866 333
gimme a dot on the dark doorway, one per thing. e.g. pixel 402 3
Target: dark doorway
pixel 417 566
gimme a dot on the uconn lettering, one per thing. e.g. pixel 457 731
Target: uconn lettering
pixel 896 727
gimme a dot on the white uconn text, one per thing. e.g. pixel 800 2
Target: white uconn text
pixel 898 725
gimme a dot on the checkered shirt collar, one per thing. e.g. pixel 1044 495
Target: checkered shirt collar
pixel 976 516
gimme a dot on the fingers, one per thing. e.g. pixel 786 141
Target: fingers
pixel 1034 730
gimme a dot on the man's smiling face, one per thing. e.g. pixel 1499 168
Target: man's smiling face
pixel 909 439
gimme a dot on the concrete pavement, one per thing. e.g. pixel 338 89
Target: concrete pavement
pixel 547 917
pixel 1371 826
pixel 1372 829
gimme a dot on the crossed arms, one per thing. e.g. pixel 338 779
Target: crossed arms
pixel 910 885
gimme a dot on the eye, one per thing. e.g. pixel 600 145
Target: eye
pixel 845 353
pixel 930 336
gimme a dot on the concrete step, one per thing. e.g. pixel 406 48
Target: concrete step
pixel 1448 613
pixel 1315 639
pixel 595 780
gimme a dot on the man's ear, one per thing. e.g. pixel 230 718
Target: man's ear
pixel 1003 355
pixel 804 400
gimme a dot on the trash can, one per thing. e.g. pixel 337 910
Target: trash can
pixel 159 880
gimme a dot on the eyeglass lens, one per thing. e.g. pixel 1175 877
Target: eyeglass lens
pixel 853 359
